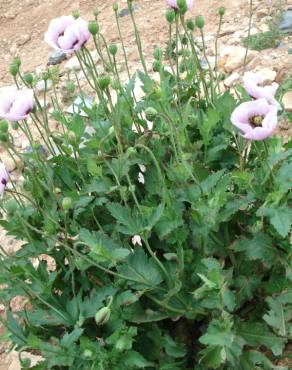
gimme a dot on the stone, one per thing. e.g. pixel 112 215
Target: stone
pixel 268 75
pixel 79 104
pixel 287 101
pixel 11 164
pixel 56 57
pixel 124 12
pixel 234 58
pixel 72 64
pixel 232 79
pixel 41 86
pixel 285 24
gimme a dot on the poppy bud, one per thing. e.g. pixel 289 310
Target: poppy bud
pixel 156 66
pixel 151 114
pixel 190 24
pixel 102 316
pixel 93 28
pixel 113 49
pixel 4 137
pixel 115 7
pixel 72 137
pixel 3 126
pixel 200 21
pixel 76 14
pixel 170 15
pixel 28 78
pixel 13 69
pixel 182 5
pixel 157 54
pixel 104 82
pixel 221 11
pixel 67 203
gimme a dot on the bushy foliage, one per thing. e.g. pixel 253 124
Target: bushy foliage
pixel 158 239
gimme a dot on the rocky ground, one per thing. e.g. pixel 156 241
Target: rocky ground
pixel 23 23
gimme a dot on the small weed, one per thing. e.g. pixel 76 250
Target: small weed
pixel 263 40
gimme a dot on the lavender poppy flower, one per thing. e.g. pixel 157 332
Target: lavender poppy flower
pixel 252 84
pixel 256 119
pixel 16 105
pixel 173 4
pixel 67 34
pixel 3 177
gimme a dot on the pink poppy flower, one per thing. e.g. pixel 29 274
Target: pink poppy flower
pixel 3 178
pixel 173 4
pixel 252 83
pixel 17 105
pixel 67 34
pixel 256 119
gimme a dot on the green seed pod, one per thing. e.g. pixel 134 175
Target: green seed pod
pixel 184 40
pixel 157 54
pixel 104 82
pixel 70 86
pixel 93 28
pixel 221 11
pixel 200 21
pixel 115 7
pixel 102 316
pixel 182 5
pixel 190 24
pixel 76 14
pixel 170 15
pixel 67 203
pixel 156 66
pixel 151 114
pixel 72 138
pixel 13 69
pixel 113 49
pixel 158 93
pixel 28 78
pixel 4 126
pixel 4 137
pixel 15 125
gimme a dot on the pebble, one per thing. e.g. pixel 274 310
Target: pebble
pixel 285 24
pixel 56 57
pixel 287 101
pixel 124 12
pixel 232 79
pixel 267 74
pixel 234 58
pixel 41 86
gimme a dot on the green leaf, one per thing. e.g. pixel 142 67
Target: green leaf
pixel 128 224
pixel 141 271
pixel 258 248
pixel 257 334
pixel 212 356
pixel 209 123
pixel 174 349
pixel 276 317
pixel 134 359
pixel 102 247
pixel 280 218
pixel 71 338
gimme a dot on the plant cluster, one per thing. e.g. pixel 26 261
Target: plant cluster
pixel 156 232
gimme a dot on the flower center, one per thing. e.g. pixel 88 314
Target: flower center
pixel 4 182
pixel 256 121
